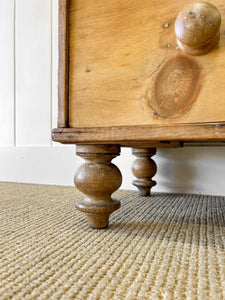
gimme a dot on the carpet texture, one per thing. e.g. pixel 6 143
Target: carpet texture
pixel 165 246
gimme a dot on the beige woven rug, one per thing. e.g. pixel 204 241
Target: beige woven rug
pixel 162 247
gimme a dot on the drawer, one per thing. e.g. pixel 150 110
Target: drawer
pixel 121 66
pixel 125 63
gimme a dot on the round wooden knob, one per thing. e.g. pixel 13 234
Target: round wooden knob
pixel 197 28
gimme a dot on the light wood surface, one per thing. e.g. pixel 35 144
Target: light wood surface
pixel 141 134
pixel 120 50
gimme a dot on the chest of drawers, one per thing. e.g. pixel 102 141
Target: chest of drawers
pixel 142 74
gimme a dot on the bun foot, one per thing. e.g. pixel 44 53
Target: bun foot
pixel 144 168
pixel 98 214
pixel 144 187
pixel 98 178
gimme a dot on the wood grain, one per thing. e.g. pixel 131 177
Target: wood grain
pixel 176 87
pixel 116 50
pixel 63 71
pixel 125 135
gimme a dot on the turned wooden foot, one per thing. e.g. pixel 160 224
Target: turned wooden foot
pixel 144 168
pixel 98 178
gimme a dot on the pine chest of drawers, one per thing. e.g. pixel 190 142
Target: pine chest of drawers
pixel 141 74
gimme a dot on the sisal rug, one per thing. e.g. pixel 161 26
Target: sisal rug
pixel 166 246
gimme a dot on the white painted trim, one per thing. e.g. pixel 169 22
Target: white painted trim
pixel 183 170
pixel 41 165
pixel 7 73
pixel 33 73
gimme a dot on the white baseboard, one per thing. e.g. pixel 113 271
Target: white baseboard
pixel 182 170
pixel 41 165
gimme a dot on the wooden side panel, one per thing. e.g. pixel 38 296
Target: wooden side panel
pixel 124 62
pixel 55 61
pixel 63 63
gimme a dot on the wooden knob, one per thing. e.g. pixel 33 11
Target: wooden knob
pixel 197 28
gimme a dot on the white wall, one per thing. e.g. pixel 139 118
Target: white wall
pixel 28 111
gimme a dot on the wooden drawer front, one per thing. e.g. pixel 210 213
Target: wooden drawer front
pixel 126 68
